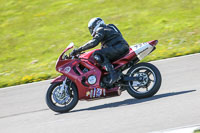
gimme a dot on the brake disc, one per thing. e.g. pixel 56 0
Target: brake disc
pixel 143 79
pixel 61 97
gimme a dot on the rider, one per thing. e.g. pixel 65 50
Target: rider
pixel 113 45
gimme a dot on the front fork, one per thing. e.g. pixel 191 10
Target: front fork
pixel 64 80
pixel 63 86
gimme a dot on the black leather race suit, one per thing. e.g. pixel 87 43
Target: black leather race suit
pixel 113 45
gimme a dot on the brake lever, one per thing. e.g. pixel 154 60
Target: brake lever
pixel 82 52
pixel 77 55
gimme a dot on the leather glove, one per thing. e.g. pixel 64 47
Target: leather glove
pixel 74 52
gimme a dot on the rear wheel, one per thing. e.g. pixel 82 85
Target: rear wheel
pixel 148 83
pixel 62 99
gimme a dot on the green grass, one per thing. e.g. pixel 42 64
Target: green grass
pixel 197 131
pixel 34 33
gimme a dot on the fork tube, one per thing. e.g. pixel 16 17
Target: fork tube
pixel 63 85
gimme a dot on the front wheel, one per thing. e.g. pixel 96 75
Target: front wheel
pixel 148 83
pixel 62 99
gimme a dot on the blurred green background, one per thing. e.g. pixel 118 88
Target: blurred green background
pixel 34 33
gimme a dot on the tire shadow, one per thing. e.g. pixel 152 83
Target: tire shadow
pixel 132 101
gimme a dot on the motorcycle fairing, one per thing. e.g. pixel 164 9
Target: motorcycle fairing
pixel 71 69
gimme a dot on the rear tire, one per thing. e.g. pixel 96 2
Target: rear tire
pixel 147 68
pixel 62 108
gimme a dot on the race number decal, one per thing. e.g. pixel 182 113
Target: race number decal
pixel 96 92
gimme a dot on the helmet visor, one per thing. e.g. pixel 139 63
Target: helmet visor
pixel 91 30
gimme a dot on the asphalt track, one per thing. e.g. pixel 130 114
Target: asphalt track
pixel 23 108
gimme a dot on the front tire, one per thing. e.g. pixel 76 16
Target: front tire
pixel 62 102
pixel 148 85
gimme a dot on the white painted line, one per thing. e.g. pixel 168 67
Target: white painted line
pixel 187 129
pixel 173 58
pixel 22 85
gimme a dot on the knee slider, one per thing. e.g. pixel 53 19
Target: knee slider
pixel 98 58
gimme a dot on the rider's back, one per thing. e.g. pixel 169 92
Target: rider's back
pixel 112 36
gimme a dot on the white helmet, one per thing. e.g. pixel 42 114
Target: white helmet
pixel 94 23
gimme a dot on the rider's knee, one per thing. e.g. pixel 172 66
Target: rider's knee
pixel 98 58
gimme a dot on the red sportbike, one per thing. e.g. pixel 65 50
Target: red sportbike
pixel 83 79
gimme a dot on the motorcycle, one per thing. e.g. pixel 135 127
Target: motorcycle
pixel 84 79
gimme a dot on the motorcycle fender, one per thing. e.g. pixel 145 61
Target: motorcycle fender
pixel 59 79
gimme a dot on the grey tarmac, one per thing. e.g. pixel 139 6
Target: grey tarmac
pixel 177 104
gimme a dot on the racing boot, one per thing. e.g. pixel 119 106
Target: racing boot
pixel 114 76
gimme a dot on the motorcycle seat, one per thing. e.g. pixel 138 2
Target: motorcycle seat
pixel 126 57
